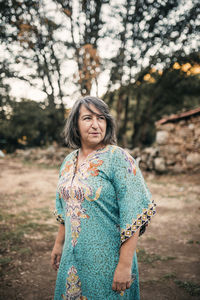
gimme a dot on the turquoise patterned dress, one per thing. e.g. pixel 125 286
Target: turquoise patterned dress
pixel 101 205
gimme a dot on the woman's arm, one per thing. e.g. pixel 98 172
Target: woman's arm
pixel 122 276
pixel 57 249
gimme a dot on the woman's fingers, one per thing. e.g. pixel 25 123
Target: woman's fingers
pixel 53 261
pixel 58 257
pixel 114 286
pixel 122 287
pixel 119 286
pixel 128 284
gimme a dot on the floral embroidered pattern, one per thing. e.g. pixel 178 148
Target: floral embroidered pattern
pixel 141 221
pixel 74 189
pixel 67 168
pixel 75 211
pixel 73 286
pixel 93 167
pixel 130 160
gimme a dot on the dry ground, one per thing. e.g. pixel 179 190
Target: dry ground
pixel 168 252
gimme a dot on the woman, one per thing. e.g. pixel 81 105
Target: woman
pixel 103 205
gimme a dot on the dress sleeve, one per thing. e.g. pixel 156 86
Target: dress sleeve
pixel 59 211
pixel 134 199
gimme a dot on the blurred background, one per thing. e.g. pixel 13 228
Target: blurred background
pixel 142 57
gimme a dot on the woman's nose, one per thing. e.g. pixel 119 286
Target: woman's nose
pixel 95 122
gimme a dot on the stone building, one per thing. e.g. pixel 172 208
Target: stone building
pixel 177 145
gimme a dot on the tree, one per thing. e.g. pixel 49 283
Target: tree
pixel 157 93
pixel 28 123
pixel 154 34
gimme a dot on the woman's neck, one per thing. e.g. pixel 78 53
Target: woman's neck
pixel 85 151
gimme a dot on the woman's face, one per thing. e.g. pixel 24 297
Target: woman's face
pixel 92 126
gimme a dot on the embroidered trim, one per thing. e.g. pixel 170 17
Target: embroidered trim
pixel 141 222
pixel 59 217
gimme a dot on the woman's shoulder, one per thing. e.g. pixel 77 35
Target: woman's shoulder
pixel 71 155
pixel 119 152
pixel 69 158
pixel 123 159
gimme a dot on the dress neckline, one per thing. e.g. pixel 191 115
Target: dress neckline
pixel 88 157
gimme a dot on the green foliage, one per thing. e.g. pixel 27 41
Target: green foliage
pixel 28 124
pixel 156 93
pixel 147 258
pixel 192 288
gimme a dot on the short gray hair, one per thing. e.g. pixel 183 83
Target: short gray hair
pixel 71 132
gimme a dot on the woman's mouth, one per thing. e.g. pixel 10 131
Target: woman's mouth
pixel 94 133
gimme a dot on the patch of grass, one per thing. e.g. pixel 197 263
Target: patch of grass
pixel 33 163
pixel 158 182
pixel 150 281
pixel 193 242
pixel 5 217
pixel 42 213
pixel 151 239
pixel 145 257
pixel 11 237
pixel 15 227
pixel 166 258
pixel 5 260
pixel 192 288
pixel 25 251
pixel 31 227
pixel 169 276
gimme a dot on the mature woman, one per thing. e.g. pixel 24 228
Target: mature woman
pixel 103 205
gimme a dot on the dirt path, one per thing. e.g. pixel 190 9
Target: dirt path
pixel 168 253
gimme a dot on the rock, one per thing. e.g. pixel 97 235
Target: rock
pixel 172 149
pixel 143 165
pixel 135 152
pixel 27 154
pixel 184 132
pixel 162 137
pixel 177 169
pixel 50 151
pixel 193 159
pixel 197 132
pixel 191 126
pixel 150 164
pixel 144 157
pixel 159 164
pixel 153 152
pixel 171 161
pixel 2 154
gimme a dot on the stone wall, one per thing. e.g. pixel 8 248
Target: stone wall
pixel 176 150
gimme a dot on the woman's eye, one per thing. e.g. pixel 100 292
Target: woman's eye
pixel 102 118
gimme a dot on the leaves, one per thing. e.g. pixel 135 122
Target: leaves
pixel 89 63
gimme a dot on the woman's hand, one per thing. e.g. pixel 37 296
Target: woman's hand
pixel 56 256
pixel 122 277
pixel 57 249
